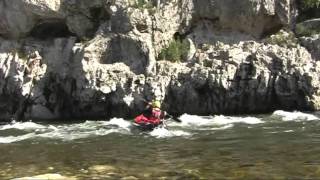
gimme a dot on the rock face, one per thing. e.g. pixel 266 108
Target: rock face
pixel 235 80
pixel 256 17
pixel 97 59
pixel 313 45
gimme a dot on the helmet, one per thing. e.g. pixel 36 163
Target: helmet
pixel 156 104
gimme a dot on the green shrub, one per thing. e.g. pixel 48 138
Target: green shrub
pixel 308 9
pixel 283 38
pixel 304 31
pixel 143 4
pixel 310 4
pixel 176 51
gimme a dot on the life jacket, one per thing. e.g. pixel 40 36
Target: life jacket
pixel 156 113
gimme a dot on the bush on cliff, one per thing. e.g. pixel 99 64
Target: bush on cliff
pixel 176 51
pixel 308 9
pixel 311 3
pixel 302 30
pixel 283 38
pixel 141 4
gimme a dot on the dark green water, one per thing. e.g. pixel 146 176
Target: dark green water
pixel 279 146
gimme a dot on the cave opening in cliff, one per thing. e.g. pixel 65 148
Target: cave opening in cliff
pixel 51 29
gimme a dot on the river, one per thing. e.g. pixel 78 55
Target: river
pixel 281 145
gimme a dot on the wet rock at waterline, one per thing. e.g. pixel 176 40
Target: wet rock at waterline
pixel 98 60
pixel 102 169
pixel 47 176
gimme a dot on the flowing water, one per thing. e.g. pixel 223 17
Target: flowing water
pixel 281 145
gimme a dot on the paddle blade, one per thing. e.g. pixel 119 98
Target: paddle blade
pixel 177 120
pixel 174 118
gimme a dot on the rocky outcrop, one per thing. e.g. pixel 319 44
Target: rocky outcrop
pixel 97 59
pixel 232 79
pixel 255 17
pixel 312 44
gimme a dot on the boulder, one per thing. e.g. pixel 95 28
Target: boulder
pixel 47 177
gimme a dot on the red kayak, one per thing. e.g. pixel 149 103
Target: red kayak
pixel 147 123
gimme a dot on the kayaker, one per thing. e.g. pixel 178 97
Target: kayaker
pixel 156 111
pixel 152 115
pixel 147 112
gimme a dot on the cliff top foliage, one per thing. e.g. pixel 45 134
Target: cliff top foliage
pixel 311 3
pixel 308 9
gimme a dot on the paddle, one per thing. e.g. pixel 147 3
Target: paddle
pixel 174 118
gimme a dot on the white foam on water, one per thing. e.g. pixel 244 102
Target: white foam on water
pixel 274 132
pixel 289 131
pixel 69 136
pixel 88 129
pixel 286 131
pixel 11 139
pixel 22 126
pixel 219 122
pixel 294 116
pixel 121 123
pixel 64 135
pixel 228 126
pixel 193 120
pixel 52 127
pixel 223 120
pixel 165 133
pixel 67 132
pixel 109 131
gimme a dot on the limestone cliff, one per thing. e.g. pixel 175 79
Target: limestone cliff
pixel 97 59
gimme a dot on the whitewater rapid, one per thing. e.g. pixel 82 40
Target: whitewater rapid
pixel 189 125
